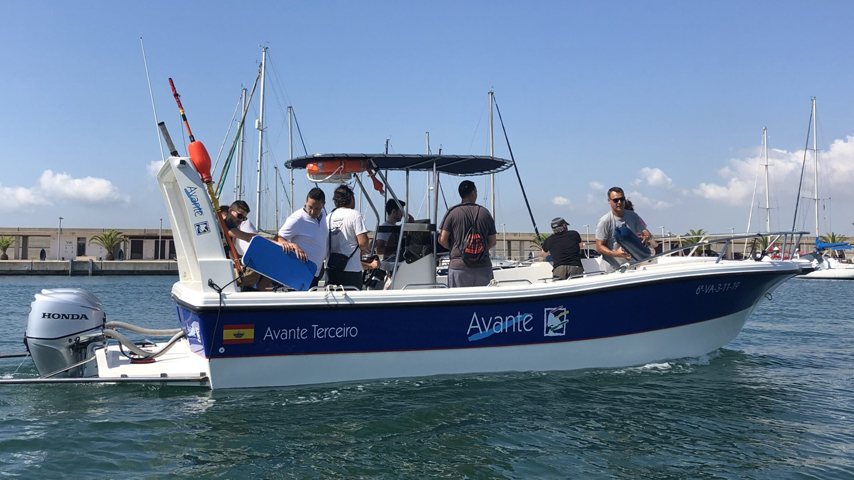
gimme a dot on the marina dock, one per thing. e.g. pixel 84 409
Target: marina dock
pixel 88 267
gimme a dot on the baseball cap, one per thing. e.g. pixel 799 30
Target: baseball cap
pixel 558 222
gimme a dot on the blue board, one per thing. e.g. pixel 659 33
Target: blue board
pixel 631 243
pixel 268 259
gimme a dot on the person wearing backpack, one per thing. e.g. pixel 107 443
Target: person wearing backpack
pixel 468 232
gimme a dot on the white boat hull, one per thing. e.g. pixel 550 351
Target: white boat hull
pixel 686 341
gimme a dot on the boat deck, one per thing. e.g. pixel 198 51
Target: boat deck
pixel 177 363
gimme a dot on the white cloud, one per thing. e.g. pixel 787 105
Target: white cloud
pixel 560 201
pixel 596 186
pixel 61 186
pixel 640 200
pixel 153 168
pixel 20 197
pixel 654 177
pixel 739 176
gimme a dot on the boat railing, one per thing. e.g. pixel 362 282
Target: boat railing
pixel 791 240
pixel 427 285
pixel 586 274
pixel 496 283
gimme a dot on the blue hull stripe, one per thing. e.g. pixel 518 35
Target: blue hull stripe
pixel 536 320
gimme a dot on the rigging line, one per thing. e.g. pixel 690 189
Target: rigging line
pixel 477 127
pixel 524 195
pixel 278 77
pixel 151 94
pixel 753 200
pixel 225 139
pixel 282 110
pixel 823 178
pixel 803 166
pixel 282 182
pixel 237 136
pixel 299 132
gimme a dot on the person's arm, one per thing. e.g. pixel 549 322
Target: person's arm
pixel 602 249
pixel 379 246
pixel 290 247
pixel 544 254
pixel 364 244
pixel 240 234
pixel 445 239
pixel 373 264
pixel 646 237
pixel 490 242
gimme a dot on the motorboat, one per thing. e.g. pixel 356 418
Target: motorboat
pixel 228 338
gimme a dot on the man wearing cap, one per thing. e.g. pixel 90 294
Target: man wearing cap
pixel 565 249
pixel 606 242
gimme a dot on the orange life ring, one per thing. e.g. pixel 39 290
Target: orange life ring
pixel 336 167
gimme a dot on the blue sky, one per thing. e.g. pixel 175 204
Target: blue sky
pixel 666 99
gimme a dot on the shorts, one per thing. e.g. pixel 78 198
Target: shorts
pixel 469 277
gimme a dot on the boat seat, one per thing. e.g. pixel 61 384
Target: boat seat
pixel 267 258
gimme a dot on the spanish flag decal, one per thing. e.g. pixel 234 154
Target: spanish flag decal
pixel 238 334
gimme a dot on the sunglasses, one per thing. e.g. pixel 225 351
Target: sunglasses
pixel 618 200
pixel 240 216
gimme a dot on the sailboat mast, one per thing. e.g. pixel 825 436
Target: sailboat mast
pixel 291 153
pixel 276 198
pixel 260 127
pixel 238 171
pixel 491 154
pixel 767 190
pixel 815 172
pixel 429 200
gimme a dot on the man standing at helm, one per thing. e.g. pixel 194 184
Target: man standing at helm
pixel 606 242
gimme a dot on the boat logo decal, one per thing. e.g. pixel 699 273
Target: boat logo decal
pixel 194 199
pixel 555 321
pixel 193 331
pixel 202 228
pixel 487 326
pixel 238 334
pixel 65 316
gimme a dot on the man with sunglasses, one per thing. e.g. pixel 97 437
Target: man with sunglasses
pixel 606 242
pixel 236 216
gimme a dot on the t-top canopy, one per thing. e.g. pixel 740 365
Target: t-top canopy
pixel 453 164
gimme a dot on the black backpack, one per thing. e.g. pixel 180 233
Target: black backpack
pixel 474 244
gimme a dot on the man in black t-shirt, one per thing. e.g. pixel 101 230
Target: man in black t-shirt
pixel 565 248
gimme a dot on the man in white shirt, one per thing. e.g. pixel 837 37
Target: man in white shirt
pixel 240 244
pixel 348 237
pixel 306 231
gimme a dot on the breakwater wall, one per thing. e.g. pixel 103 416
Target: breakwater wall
pixel 88 267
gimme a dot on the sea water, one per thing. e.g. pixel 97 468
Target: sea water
pixel 776 403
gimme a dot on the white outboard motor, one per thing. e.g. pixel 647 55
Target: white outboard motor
pixel 65 327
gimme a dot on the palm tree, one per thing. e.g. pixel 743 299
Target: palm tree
pixel 828 238
pixel 692 237
pixel 539 240
pixel 109 240
pixel 5 243
pixel 833 238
